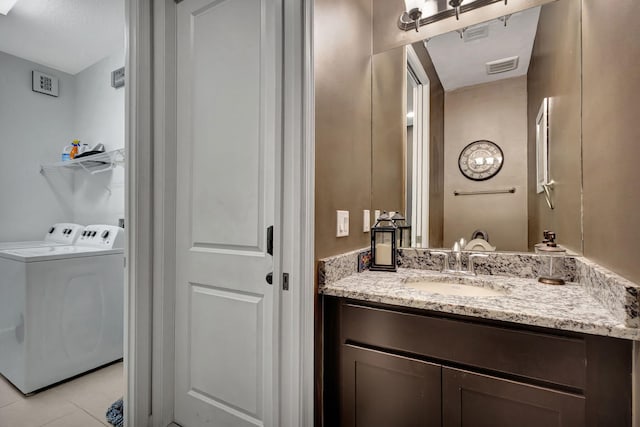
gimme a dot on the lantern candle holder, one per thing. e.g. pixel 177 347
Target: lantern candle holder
pixel 403 234
pixel 384 255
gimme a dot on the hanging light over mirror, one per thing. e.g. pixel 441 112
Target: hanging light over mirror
pixel 412 12
pixel 422 12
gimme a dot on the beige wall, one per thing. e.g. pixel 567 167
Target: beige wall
pixel 497 112
pixel 389 132
pixel 557 53
pixel 611 134
pixel 390 139
pixel 342 66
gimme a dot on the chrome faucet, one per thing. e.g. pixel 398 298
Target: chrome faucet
pixel 457 253
pixel 457 268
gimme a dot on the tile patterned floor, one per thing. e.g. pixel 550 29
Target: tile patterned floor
pixel 82 402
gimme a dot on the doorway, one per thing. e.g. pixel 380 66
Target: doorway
pixel 62 114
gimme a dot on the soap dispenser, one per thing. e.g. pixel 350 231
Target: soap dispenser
pixel 553 256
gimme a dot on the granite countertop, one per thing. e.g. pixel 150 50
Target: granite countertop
pixel 569 307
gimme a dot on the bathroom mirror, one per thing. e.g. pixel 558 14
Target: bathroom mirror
pixel 435 101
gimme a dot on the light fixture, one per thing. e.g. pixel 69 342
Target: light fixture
pixel 412 13
pixel 6 6
pixel 455 4
pixel 423 12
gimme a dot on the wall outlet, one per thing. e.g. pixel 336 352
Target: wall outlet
pixel 366 220
pixel 342 223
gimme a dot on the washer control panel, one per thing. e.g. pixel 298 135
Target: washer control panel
pixel 102 236
pixel 64 233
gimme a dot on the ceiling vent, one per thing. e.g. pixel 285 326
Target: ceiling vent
pixel 475 33
pixel 502 65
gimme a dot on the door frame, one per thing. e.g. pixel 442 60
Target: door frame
pixel 421 149
pixel 150 128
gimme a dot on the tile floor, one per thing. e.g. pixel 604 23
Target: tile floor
pixel 82 402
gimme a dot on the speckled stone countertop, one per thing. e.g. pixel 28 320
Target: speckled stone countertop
pixel 569 307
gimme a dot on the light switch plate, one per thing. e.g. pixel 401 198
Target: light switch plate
pixel 376 215
pixel 342 223
pixel 366 220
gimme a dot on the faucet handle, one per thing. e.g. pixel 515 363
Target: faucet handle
pixel 445 261
pixel 471 266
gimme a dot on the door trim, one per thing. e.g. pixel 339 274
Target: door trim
pixel 150 212
pixel 138 211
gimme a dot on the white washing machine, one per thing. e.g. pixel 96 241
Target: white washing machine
pixel 59 234
pixel 61 308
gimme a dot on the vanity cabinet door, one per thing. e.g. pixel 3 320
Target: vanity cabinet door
pixel 384 390
pixel 474 400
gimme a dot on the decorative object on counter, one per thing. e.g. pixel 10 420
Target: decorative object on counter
pixel 555 255
pixel 364 260
pixel 480 160
pixel 479 245
pixel 403 236
pixel 479 242
pixel 383 244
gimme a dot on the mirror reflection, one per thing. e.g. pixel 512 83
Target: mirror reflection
pixel 458 137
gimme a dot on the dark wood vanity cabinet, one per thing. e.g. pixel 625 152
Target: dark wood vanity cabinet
pixel 388 366
pixel 475 400
pixel 382 389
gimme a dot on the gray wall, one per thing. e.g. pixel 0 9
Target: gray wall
pixel 36 127
pixel 33 128
pixel 99 117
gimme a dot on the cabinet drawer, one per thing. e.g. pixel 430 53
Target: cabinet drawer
pixel 546 357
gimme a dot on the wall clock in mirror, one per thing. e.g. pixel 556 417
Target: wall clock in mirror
pixel 480 160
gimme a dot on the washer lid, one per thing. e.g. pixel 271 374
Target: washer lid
pixel 55 252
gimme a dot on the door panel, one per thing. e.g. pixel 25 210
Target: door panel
pixel 382 390
pixel 225 124
pixel 227 167
pixel 474 400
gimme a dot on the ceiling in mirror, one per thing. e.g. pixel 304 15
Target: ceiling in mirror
pixel 461 58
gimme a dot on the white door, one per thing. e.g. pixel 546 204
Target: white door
pixel 228 157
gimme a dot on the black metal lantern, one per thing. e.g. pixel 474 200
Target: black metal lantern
pixel 383 244
pixel 403 235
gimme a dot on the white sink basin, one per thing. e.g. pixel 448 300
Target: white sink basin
pixel 468 287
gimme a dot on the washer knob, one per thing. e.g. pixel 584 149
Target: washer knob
pixel 105 234
pixel 51 230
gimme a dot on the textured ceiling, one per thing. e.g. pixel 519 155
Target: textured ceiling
pixel 68 35
pixel 459 63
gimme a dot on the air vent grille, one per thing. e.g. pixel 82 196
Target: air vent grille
pixel 502 65
pixel 475 33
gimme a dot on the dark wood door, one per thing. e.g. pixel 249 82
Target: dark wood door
pixel 385 390
pixel 474 400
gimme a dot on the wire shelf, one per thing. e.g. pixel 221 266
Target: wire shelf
pixel 94 164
